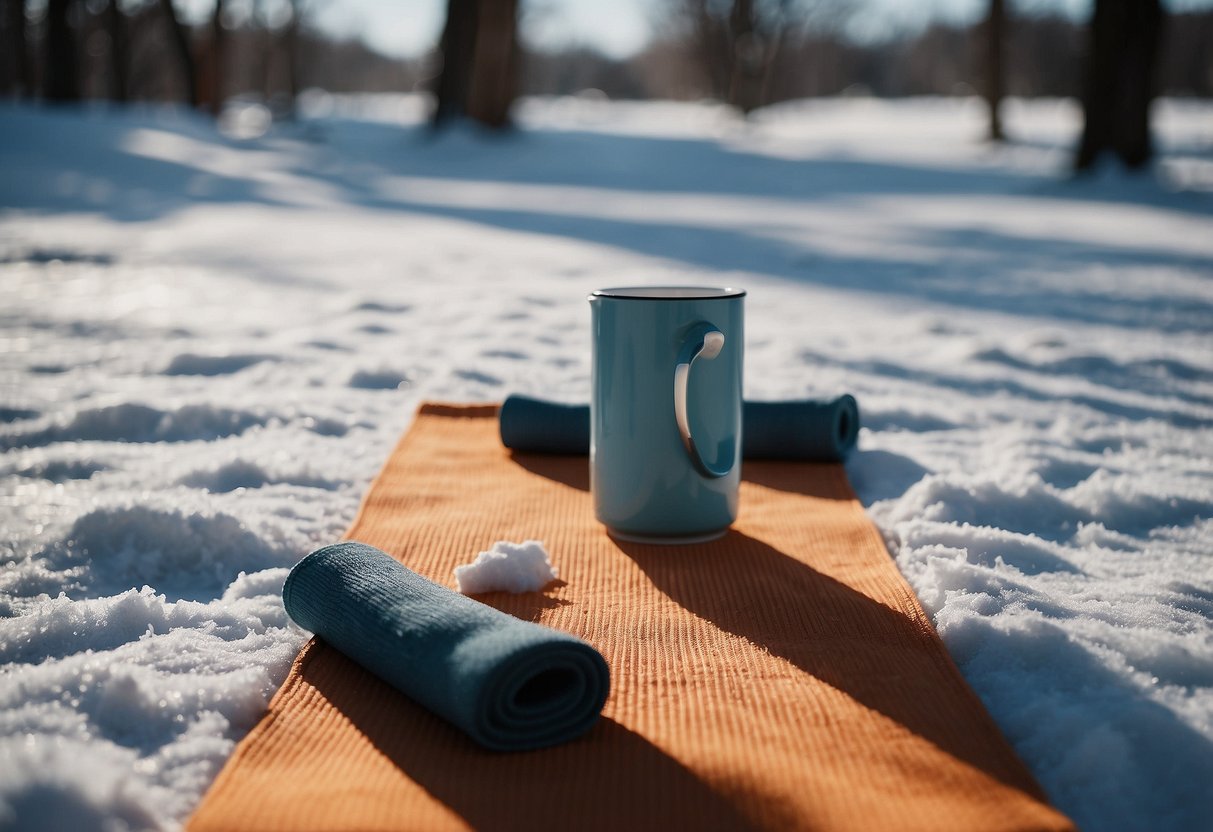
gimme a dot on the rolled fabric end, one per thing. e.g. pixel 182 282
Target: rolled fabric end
pixel 510 685
pixel 538 426
pixel 807 430
pixel 545 694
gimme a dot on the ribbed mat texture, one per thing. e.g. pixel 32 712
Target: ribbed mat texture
pixel 782 677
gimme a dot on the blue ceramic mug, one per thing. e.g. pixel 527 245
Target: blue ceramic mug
pixel 665 411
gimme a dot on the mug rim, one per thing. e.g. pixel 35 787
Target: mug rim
pixel 668 293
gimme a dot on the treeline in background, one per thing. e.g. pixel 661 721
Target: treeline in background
pixel 810 57
pixel 747 53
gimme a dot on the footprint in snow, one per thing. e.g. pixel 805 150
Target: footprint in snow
pixel 331 346
pixel 378 380
pixel 478 377
pixel 376 306
pixel 240 473
pixel 376 329
pixel 190 364
pixel 16 414
pixel 62 470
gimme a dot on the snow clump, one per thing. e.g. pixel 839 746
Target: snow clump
pixel 512 567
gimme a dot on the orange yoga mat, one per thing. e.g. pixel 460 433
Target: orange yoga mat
pixel 783 677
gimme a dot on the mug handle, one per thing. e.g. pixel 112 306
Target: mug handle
pixel 703 341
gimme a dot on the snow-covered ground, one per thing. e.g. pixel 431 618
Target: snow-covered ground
pixel 208 345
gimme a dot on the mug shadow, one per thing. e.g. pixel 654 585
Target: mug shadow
pixel 610 778
pixel 877 655
pixel 810 479
pixel 794 477
pixel 573 471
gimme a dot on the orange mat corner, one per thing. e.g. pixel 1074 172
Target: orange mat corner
pixel 782 677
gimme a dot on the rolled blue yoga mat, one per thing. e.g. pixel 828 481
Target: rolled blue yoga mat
pixel 808 430
pixel 509 684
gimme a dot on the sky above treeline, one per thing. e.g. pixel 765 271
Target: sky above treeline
pixel 619 28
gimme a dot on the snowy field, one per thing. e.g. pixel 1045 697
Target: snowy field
pixel 210 341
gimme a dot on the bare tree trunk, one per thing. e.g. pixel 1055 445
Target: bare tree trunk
pixel 479 62
pixel 292 56
pixel 1137 85
pixel 185 56
pixel 995 29
pixel 495 70
pixel 737 52
pixel 265 64
pixel 768 67
pixel 748 58
pixel 713 47
pixel 62 69
pixel 20 77
pixel 115 27
pixel 1119 86
pixel 458 47
pixel 215 61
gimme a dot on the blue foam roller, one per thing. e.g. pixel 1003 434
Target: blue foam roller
pixel 807 430
pixel 509 684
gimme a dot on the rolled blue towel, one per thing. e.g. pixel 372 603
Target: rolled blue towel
pixel 809 430
pixel 509 684
pixel 538 426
